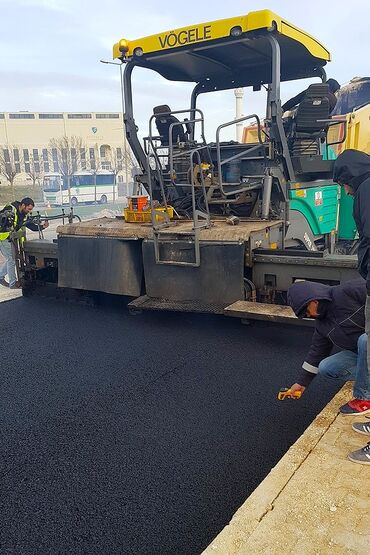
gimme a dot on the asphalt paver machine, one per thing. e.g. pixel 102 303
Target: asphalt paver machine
pixel 249 218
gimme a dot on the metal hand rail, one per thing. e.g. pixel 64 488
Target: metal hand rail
pixel 221 163
pixel 200 219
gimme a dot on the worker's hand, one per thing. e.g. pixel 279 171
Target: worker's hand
pixel 297 387
pixel 46 224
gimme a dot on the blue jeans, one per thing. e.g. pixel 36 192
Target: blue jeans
pixel 348 365
pixel 9 265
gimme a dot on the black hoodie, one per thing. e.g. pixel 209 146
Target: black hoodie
pixel 340 324
pixel 352 167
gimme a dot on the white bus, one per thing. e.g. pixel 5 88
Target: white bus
pixel 85 187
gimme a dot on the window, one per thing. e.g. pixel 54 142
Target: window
pixel 79 116
pixel 27 168
pixel 74 159
pixel 37 167
pixel 6 155
pixel 119 153
pixel 104 179
pixel 35 154
pixel 80 180
pixel 17 167
pixel 45 154
pixel 16 155
pixel 46 167
pixel 83 158
pixel 54 154
pixel 106 166
pixel 92 153
pixel 107 116
pixel 2 116
pixel 22 116
pixel 26 154
pixel 50 116
pixel 52 183
pixel 55 167
pixel 104 151
pixel 65 183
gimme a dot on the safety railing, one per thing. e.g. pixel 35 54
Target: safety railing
pixel 201 219
pixel 222 162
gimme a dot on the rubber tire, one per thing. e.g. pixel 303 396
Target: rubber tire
pixel 74 201
pixel 103 199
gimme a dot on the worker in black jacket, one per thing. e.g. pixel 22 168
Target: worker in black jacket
pixel 14 219
pixel 352 170
pixel 339 313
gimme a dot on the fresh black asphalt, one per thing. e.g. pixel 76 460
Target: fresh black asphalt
pixel 138 434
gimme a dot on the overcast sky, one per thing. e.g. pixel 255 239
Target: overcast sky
pixel 50 50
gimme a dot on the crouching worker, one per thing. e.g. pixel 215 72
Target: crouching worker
pixel 339 313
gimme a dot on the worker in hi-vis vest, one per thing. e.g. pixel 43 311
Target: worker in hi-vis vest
pixel 13 222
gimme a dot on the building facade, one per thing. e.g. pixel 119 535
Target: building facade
pixel 29 141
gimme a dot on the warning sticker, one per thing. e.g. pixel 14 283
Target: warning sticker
pixel 301 193
pixel 318 198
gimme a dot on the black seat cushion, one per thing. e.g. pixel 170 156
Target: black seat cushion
pixel 163 120
pixel 314 107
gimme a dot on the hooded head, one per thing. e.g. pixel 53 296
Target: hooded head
pixel 334 86
pixel 303 292
pixel 351 167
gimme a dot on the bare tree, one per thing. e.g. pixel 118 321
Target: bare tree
pixel 10 163
pixel 116 166
pixel 129 161
pixel 121 160
pixel 33 169
pixel 68 156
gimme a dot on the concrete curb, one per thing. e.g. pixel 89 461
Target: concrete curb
pixel 9 294
pixel 236 534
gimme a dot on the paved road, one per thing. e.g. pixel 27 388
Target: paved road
pixel 138 435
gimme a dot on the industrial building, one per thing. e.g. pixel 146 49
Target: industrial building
pixel 25 141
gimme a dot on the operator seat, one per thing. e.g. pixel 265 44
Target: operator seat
pixel 163 120
pixel 307 129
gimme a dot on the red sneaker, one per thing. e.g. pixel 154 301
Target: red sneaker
pixel 356 406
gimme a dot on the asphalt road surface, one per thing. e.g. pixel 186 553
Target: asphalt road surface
pixel 138 434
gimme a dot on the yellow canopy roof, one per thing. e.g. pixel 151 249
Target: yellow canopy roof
pixel 227 53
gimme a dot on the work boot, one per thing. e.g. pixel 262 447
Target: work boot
pixel 362 427
pixel 361 456
pixel 356 406
pixel 4 282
